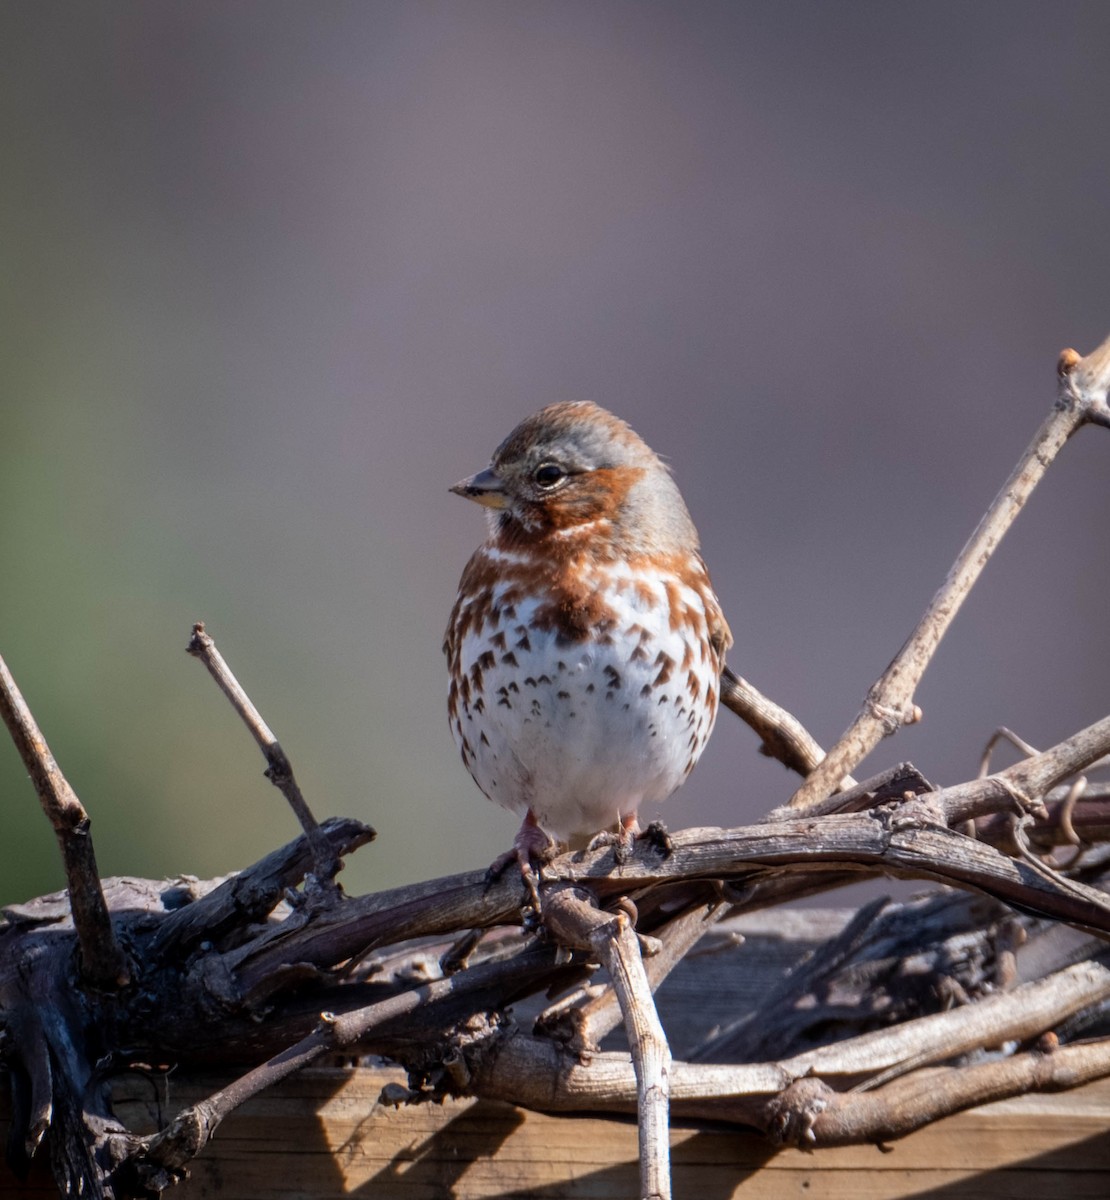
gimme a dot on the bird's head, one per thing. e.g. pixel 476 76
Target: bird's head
pixel 574 471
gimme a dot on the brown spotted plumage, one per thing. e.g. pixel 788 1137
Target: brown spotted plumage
pixel 586 643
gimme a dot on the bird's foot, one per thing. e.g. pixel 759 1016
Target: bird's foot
pixel 658 838
pixel 623 840
pixel 531 849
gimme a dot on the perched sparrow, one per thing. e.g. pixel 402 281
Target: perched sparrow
pixel 586 643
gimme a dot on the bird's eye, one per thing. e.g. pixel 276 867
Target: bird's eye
pixel 547 475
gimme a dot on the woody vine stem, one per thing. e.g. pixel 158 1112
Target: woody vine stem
pixel 217 974
pixel 1081 400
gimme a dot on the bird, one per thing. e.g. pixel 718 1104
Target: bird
pixel 586 643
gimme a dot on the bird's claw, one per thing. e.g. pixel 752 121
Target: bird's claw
pixel 624 840
pixel 621 842
pixel 659 839
pixel 531 849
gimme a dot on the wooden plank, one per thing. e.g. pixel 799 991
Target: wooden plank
pixel 324 1134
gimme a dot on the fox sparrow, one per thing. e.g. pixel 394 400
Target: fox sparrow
pixel 586 643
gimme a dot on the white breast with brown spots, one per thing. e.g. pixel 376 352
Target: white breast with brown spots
pixel 583 730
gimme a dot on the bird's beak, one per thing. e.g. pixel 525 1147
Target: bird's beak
pixel 486 488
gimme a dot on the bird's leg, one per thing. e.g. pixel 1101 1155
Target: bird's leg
pixel 531 845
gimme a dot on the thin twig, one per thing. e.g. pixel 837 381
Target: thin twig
pixel 571 916
pixel 1035 776
pixel 1002 734
pixel 889 703
pixel 103 962
pixel 1072 819
pixel 337 1031
pixel 279 770
pixel 782 736
pixel 1024 785
pixel 192 1128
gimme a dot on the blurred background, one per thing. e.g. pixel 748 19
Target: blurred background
pixel 274 275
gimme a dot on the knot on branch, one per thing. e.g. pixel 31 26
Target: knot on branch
pixel 891 717
pixel 449 1066
pixel 795 1110
pixel 567 1025
pixel 1022 801
pixel 181 1141
pixel 1083 384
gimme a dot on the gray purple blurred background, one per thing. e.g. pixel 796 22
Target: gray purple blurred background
pixel 276 274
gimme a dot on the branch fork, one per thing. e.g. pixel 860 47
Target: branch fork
pixel 1081 400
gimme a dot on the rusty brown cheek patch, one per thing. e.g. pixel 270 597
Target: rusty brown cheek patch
pixel 591 497
pixel 587 499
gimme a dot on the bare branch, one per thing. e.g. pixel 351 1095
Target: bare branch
pixel 908 1104
pixel 1023 785
pixel 906 842
pixel 571 916
pixel 251 894
pixel 889 704
pixel 103 963
pixel 279 770
pixel 538 1074
pixel 192 1128
pixel 190 1131
pixel 781 734
pixel 1017 1015
pixel 598 1014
